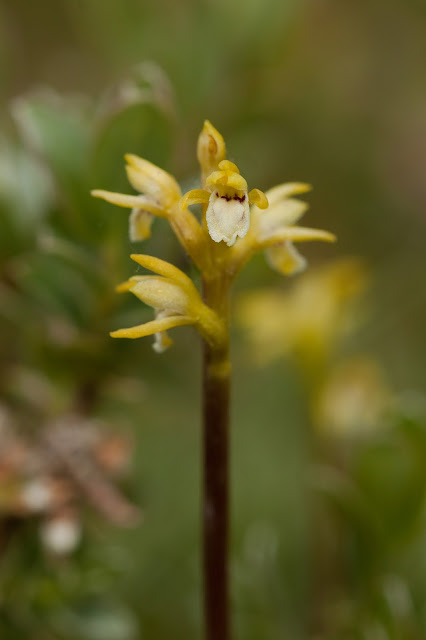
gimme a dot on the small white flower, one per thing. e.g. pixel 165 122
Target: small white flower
pixel 61 535
pixel 36 495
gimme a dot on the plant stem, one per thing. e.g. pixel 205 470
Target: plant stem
pixel 216 388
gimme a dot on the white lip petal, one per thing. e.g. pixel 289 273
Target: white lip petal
pixel 227 218
pixel 162 341
pixel 140 222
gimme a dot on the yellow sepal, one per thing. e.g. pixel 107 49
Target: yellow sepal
pixel 296 234
pixel 128 284
pixel 163 268
pixel 130 202
pixel 172 294
pixel 230 179
pixel 154 326
pixel 196 196
pixel 150 179
pixel 286 190
pixel 228 167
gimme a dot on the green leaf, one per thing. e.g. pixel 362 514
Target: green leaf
pixel 343 494
pixel 391 474
pixel 58 131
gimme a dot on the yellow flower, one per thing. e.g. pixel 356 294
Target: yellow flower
pixel 230 211
pixel 310 319
pixel 159 196
pixel 352 399
pixel 176 302
pixel 227 200
pixel 161 190
pixel 274 230
pixel 227 214
pixel 283 212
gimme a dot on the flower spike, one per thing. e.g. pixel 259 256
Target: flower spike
pixel 229 211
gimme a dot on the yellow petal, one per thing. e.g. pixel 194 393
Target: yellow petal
pixel 258 198
pixel 196 196
pixel 144 183
pixel 172 298
pixel 127 285
pixel 155 326
pixel 153 173
pixel 228 167
pixel 130 202
pixel 217 177
pixel 163 268
pixel 235 181
pixel 279 216
pixel 164 295
pixel 282 191
pixel 286 259
pixel 150 179
pixel 222 178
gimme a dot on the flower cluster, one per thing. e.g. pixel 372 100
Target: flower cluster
pixel 236 223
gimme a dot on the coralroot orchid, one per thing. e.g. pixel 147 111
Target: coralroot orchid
pixel 235 224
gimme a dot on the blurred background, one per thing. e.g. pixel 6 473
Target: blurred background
pixel 100 439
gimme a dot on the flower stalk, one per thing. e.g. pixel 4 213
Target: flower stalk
pixel 215 501
pixel 234 225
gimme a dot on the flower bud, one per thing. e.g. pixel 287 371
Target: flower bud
pixel 210 149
